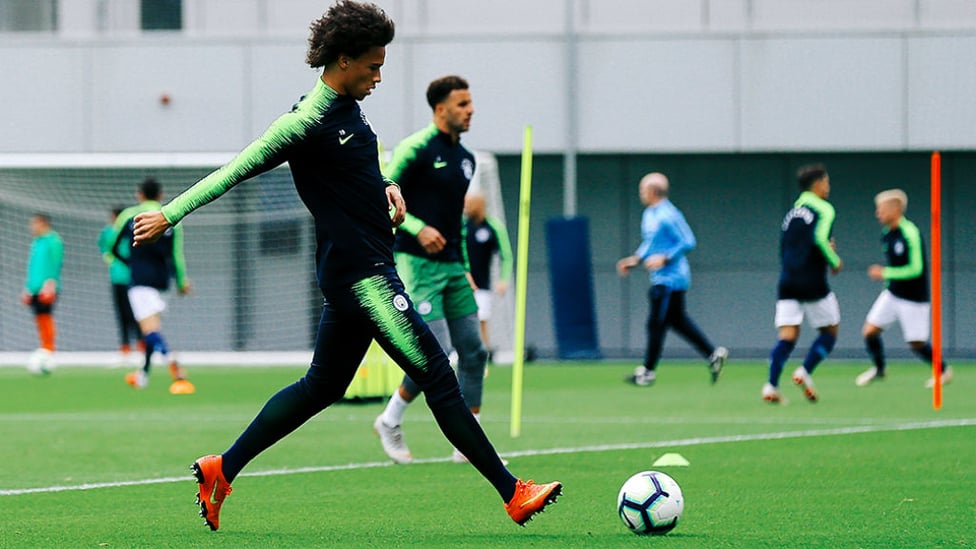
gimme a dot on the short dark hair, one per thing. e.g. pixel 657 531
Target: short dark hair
pixel 348 27
pixel 807 175
pixel 42 216
pixel 439 89
pixel 150 188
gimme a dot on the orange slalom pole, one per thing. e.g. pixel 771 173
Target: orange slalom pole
pixel 936 271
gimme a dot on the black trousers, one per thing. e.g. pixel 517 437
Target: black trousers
pixel 668 311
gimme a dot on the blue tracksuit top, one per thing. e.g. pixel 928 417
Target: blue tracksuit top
pixel 665 231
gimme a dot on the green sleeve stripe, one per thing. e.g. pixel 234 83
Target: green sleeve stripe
pixel 825 223
pixel 265 153
pixel 412 224
pixel 504 247
pixel 406 151
pixel 916 265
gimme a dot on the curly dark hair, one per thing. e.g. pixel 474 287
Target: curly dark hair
pixel 439 89
pixel 806 176
pixel 349 28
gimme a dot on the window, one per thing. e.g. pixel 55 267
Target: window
pixel 161 14
pixel 28 15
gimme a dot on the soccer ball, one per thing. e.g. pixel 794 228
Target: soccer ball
pixel 650 502
pixel 40 362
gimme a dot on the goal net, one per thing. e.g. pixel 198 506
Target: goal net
pixel 249 255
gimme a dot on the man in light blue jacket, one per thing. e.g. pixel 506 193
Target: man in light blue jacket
pixel 665 240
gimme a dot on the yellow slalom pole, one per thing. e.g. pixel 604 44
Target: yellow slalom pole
pixel 521 280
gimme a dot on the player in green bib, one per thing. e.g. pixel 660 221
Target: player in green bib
pixel 119 276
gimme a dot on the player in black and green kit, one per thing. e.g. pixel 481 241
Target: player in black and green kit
pixel 332 152
pixel 905 298
pixel 434 170
pixel 806 253
pixel 151 266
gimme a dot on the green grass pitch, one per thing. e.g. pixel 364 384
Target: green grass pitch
pixel 864 467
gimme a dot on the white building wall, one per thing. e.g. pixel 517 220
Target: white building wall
pixel 651 75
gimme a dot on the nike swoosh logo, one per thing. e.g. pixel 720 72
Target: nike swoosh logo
pixel 439 165
pixel 344 140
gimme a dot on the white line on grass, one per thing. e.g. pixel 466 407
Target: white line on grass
pixel 911 426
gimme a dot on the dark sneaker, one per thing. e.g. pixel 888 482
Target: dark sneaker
pixel 717 361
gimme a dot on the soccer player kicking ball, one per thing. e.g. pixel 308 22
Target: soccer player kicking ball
pixel 332 152
pixel 905 298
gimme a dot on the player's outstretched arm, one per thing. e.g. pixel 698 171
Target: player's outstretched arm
pixel 147 227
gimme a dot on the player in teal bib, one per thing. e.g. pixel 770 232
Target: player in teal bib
pixel 42 287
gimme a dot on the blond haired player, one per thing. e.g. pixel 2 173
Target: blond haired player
pixel 905 298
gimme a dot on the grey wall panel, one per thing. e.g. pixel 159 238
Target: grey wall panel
pixel 453 17
pixel 643 16
pixel 832 14
pixel 948 14
pixel 650 95
pixel 940 108
pixel 276 77
pixel 822 94
pixel 45 98
pixel 206 89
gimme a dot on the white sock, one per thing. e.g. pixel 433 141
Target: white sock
pixel 395 408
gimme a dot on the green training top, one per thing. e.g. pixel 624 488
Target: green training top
pixel 45 261
pixel 118 272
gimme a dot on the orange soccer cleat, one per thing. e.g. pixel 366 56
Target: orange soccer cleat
pixel 531 498
pixel 213 488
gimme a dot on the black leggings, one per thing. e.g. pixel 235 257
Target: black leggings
pixel 373 308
